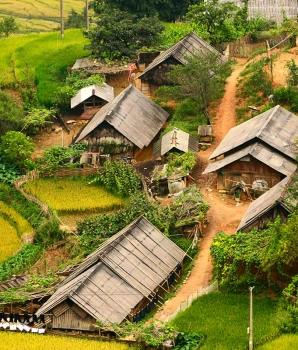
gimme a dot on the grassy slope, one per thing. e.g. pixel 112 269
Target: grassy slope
pixel 224 319
pixel 41 15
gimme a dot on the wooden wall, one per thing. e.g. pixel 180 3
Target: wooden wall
pixel 262 222
pixel 248 172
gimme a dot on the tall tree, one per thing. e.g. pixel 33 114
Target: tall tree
pixel 216 17
pixel 167 10
pixel 8 26
pixel 120 34
pixel 199 79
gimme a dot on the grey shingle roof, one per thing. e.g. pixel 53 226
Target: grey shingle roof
pixel 264 154
pixel 133 114
pixel 105 92
pixel 277 127
pixel 276 194
pixel 120 273
pixel 190 45
pixel 175 139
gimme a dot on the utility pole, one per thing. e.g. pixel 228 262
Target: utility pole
pixel 61 18
pixel 250 319
pixel 87 16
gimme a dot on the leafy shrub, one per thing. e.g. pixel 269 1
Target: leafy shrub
pixel 287 96
pixel 19 262
pixel 119 177
pixel 9 172
pixel 185 161
pixel 188 341
pixel 48 232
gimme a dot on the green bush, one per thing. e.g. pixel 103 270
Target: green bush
pixel 48 232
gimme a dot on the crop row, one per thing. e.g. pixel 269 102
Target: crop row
pixel 65 195
pixel 13 341
pixel 10 241
pixel 21 224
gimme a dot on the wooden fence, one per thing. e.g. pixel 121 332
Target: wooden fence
pixel 70 172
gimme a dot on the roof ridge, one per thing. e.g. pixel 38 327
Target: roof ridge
pixel 268 120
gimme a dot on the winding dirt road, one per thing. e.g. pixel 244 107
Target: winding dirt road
pixel 223 214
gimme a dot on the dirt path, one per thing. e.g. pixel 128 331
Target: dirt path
pixel 223 214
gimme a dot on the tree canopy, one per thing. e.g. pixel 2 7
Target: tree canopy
pixel 8 26
pixel 120 34
pixel 199 79
pixel 166 10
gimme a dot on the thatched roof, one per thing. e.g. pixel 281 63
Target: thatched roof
pixel 191 45
pixel 260 152
pixel 105 92
pixel 175 140
pixel 125 269
pixel 133 114
pixel 277 128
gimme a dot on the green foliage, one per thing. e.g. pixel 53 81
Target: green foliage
pixel 37 118
pixel 11 115
pixel 8 26
pixel 187 117
pixel 19 262
pixel 94 230
pixel 216 18
pixel 74 82
pixel 17 148
pixel 75 19
pixel 194 81
pixel 151 335
pixel 119 177
pixel 223 319
pixel 174 32
pixel 120 34
pixel 56 157
pixel 185 161
pixel 287 97
pixel 48 232
pixel 9 172
pixel 188 341
pixel 292 78
pixel 284 342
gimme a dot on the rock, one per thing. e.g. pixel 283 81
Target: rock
pixel 71 121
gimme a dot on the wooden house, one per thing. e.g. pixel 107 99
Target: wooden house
pixel 263 148
pixel 121 280
pixel 174 141
pixel 205 133
pixel 155 74
pixel 275 202
pixel 90 99
pixel 124 126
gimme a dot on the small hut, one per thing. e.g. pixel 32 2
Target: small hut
pixel 122 280
pixel 175 140
pixel 262 148
pixel 125 126
pixel 205 133
pixel 90 99
pixel 155 74
pixel 275 202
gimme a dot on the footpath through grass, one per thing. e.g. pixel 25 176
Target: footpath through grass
pixel 224 319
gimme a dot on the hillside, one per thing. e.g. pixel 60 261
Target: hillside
pixel 39 16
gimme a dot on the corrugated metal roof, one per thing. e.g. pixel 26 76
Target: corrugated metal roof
pixel 133 114
pixel 105 92
pixel 264 203
pixel 264 154
pixel 277 127
pixel 175 139
pixel 190 45
pixel 120 273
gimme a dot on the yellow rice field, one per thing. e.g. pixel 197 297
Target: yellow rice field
pixel 22 224
pixel 66 195
pixel 10 241
pixel 16 341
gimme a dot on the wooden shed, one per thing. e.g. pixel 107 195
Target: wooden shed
pixel 121 280
pixel 275 202
pixel 90 99
pixel 124 126
pixel 174 141
pixel 263 148
pixel 155 74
